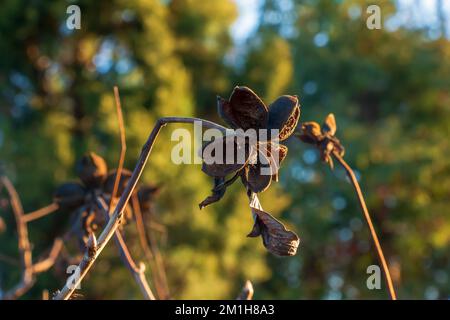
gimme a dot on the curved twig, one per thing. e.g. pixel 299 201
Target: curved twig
pixel 109 230
pixel 42 212
pixel 138 272
pixel 364 209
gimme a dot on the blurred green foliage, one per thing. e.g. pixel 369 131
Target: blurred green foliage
pixel 389 90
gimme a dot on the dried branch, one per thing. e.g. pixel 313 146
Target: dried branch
pixel 125 255
pixel 364 209
pixel 48 262
pixel 109 230
pixel 27 279
pixel 246 292
pixel 42 212
pixel 29 270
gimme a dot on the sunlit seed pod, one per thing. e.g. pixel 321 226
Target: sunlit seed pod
pixel 108 186
pixel 69 195
pixel 92 170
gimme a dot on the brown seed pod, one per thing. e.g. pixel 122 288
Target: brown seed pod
pixel 284 113
pixel 108 186
pixel 92 170
pixel 69 195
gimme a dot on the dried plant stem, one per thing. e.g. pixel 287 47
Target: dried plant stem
pixel 28 269
pixel 123 146
pixel 23 243
pixel 42 212
pixel 363 206
pixel 109 230
pixel 48 262
pixel 152 253
pixel 138 272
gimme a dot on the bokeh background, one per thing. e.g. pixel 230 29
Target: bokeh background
pixel 388 88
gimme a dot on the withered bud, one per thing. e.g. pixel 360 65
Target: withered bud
pixel 69 195
pixel 92 244
pixel 108 186
pixel 276 238
pixel 92 170
pixel 311 132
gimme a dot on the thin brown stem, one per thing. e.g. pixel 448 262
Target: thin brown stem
pixel 364 209
pixel 27 279
pixel 42 212
pixel 109 230
pixel 152 255
pixel 28 269
pixel 123 146
pixel 50 260
pixel 125 255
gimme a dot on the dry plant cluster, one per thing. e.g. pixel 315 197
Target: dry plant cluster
pixel 103 201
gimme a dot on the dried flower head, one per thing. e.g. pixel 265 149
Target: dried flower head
pixel 323 137
pixel 92 170
pixel 69 195
pixel 245 110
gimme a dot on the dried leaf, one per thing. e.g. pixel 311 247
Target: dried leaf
pixel 217 193
pixel 329 126
pixel 246 109
pixel 69 195
pixel 92 170
pixel 224 156
pixel 276 238
pixel 284 113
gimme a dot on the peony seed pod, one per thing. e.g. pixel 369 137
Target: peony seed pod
pixel 69 195
pixel 92 170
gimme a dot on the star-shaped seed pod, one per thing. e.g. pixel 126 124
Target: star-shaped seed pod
pixel 92 170
pixel 257 162
pixel 323 137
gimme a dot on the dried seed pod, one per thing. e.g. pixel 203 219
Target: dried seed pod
pixel 311 132
pixel 276 238
pixel 108 186
pixel 69 195
pixel 284 113
pixel 92 170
